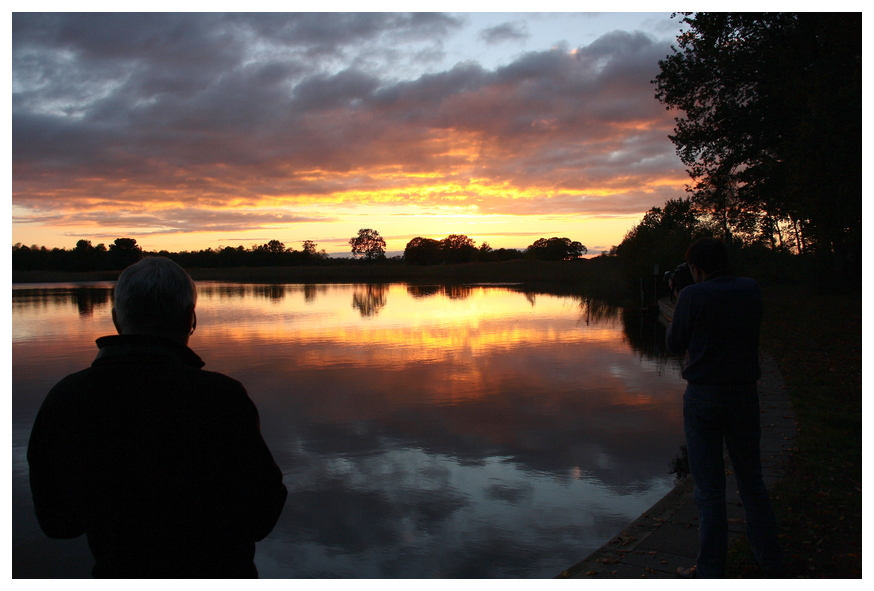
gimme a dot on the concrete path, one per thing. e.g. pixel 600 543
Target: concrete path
pixel 666 536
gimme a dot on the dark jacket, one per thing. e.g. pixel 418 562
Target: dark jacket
pixel 717 323
pixel 159 462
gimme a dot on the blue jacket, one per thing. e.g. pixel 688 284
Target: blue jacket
pixel 159 462
pixel 717 323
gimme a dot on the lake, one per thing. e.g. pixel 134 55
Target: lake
pixel 423 432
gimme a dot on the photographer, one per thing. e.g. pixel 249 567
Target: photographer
pixel 716 322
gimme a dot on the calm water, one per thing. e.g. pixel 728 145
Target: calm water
pixel 422 432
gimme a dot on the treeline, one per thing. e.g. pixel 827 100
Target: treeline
pixel 125 251
pixel 658 244
pixel 458 248
pixel 368 246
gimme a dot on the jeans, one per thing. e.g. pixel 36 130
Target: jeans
pixel 713 414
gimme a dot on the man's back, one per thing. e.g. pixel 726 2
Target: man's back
pixel 717 322
pixel 160 462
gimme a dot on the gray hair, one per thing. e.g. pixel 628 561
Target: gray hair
pixel 153 296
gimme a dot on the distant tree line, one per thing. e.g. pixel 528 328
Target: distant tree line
pixel 458 248
pixel 125 251
pixel 368 246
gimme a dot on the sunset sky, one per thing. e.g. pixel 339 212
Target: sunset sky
pixel 189 131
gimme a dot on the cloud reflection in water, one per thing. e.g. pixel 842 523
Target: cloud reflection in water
pixel 481 432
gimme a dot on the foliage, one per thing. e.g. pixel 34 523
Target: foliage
pixel 555 249
pixel 455 248
pixel 368 244
pixel 423 251
pixel 458 248
pixel 771 125
pixel 660 239
pixel 125 251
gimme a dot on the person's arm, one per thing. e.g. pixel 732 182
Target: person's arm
pixel 679 333
pixel 54 458
pixel 260 477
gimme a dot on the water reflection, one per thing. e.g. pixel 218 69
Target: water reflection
pixel 422 431
pixel 85 298
pixel 369 299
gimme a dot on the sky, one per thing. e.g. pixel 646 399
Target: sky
pixel 206 130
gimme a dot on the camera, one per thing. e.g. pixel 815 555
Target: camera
pixel 677 279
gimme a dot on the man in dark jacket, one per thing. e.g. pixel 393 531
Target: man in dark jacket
pixel 159 462
pixel 716 322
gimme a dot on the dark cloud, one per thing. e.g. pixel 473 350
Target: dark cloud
pixel 196 110
pixel 171 221
pixel 513 31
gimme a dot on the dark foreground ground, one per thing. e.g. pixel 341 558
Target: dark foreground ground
pixel 816 340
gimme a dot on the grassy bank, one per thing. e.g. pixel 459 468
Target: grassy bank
pixel 816 339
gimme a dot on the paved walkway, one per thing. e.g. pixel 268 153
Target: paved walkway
pixel 666 536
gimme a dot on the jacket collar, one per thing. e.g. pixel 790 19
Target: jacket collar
pixel 115 347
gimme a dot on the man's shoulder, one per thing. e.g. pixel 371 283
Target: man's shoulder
pixel 73 381
pixel 219 379
pixel 725 282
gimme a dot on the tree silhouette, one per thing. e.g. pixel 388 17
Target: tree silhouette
pixel 458 248
pixel 124 252
pixel 423 251
pixel 661 238
pixel 368 244
pixel 556 249
pixel 771 130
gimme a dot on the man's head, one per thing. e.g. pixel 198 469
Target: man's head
pixel 155 297
pixel 707 256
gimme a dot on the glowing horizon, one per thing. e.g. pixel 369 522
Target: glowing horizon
pixel 274 128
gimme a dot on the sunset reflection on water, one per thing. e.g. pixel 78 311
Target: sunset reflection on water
pixel 476 431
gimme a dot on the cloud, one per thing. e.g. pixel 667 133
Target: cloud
pixel 185 113
pixel 172 221
pixel 506 32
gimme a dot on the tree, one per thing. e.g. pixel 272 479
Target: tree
pixel 458 248
pixel 310 253
pixel 84 256
pixel 423 251
pixel 368 244
pixel 555 249
pixel 771 123
pixel 124 252
pixel 661 238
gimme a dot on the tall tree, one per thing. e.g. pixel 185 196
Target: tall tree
pixel 771 121
pixel 368 244
pixel 124 252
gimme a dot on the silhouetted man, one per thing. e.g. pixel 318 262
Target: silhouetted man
pixel 716 322
pixel 159 462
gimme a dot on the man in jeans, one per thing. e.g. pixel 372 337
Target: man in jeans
pixel 716 322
